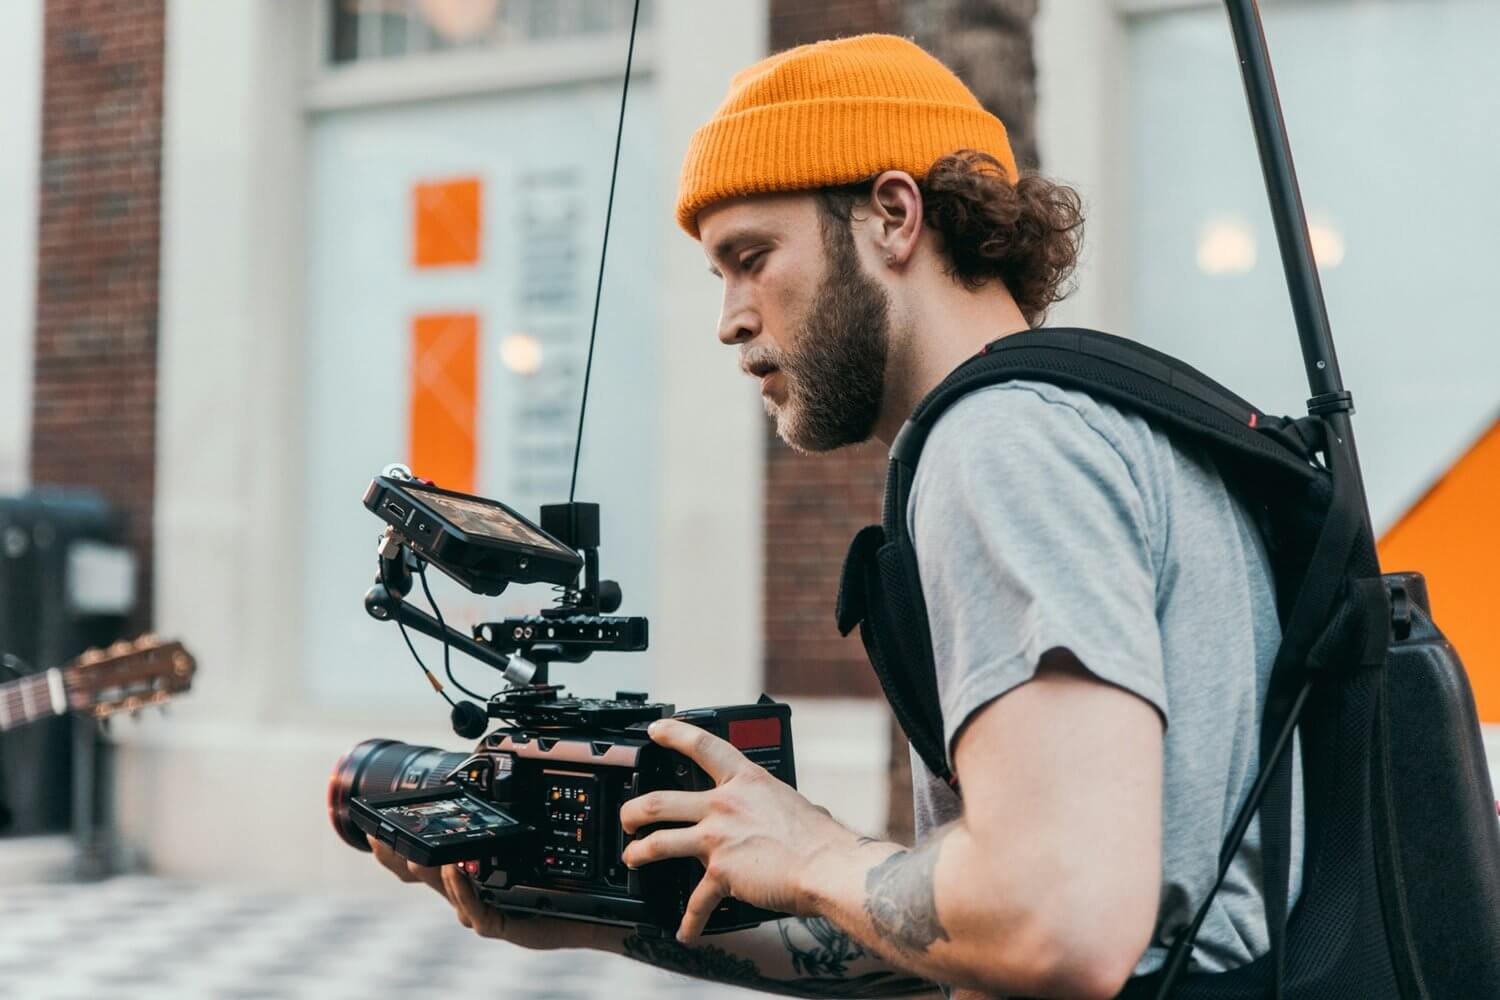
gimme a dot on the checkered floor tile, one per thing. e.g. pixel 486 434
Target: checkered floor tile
pixel 136 938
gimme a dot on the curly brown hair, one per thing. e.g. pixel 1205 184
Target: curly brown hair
pixel 1027 234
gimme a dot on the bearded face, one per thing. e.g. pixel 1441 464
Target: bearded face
pixel 832 376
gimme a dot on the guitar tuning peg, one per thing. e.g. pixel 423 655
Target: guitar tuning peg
pixel 147 639
pixel 119 648
pixel 91 655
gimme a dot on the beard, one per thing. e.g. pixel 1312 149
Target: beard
pixel 835 367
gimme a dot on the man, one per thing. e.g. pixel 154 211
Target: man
pixel 1101 609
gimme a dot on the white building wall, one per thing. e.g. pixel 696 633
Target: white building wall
pixel 20 159
pixel 1420 360
pixel 231 483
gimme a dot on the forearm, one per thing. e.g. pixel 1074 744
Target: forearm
pixel 795 956
pixel 944 912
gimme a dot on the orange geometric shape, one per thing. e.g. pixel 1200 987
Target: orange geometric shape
pixel 445 222
pixel 1452 536
pixel 445 399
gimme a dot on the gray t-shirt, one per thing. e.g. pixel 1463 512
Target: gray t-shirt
pixel 1042 519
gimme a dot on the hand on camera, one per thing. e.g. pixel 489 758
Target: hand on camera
pixel 542 933
pixel 757 837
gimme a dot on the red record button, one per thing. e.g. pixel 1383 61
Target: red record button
pixel 752 734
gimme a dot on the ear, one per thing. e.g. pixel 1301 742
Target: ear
pixel 895 216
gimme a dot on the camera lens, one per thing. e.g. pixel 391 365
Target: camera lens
pixel 376 767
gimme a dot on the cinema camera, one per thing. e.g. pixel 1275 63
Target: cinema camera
pixel 532 815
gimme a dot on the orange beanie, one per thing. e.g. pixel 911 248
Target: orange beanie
pixel 834 113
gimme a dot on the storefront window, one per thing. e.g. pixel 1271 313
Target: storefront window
pixel 1391 112
pixel 362 30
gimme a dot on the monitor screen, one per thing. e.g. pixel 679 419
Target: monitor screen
pixel 487 520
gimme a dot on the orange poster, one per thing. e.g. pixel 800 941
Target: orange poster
pixel 445 399
pixel 1452 537
pixel 445 222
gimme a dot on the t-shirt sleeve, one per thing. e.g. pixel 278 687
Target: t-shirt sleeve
pixel 1031 534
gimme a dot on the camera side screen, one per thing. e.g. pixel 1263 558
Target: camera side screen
pixel 436 826
pixel 446 820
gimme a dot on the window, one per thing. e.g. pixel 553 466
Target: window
pixel 363 30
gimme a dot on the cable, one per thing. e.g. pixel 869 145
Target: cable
pixel 614 175
pixel 447 663
pixel 437 685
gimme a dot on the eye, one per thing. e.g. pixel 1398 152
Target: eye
pixel 751 260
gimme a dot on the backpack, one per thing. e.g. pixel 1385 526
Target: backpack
pixel 1401 885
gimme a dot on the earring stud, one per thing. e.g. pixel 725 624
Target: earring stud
pixel 890 258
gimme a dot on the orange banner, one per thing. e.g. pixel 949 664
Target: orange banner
pixel 445 222
pixel 1452 537
pixel 445 399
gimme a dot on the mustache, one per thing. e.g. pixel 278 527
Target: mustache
pixel 758 361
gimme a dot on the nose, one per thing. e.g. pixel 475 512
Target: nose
pixel 737 321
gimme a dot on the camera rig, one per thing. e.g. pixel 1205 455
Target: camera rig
pixel 485 546
pixel 532 813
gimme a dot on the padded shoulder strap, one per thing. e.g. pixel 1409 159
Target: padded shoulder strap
pixel 1120 371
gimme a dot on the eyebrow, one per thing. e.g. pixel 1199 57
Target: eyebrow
pixel 722 249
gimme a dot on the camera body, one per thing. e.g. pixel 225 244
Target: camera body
pixel 558 774
pixel 569 787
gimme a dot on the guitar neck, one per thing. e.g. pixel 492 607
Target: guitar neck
pixel 40 696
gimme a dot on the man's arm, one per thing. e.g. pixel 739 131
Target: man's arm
pixel 1046 887
pixel 795 956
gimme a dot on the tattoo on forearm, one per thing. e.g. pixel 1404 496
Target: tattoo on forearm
pixel 900 900
pixel 704 961
pixel 827 954
pixel 821 964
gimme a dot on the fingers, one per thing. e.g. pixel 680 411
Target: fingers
pixel 390 860
pixel 700 907
pixel 465 901
pixel 720 759
pixel 663 807
pixel 676 843
pixel 405 870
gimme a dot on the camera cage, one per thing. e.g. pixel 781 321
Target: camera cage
pixel 451 531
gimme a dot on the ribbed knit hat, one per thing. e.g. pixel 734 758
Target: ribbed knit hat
pixel 834 113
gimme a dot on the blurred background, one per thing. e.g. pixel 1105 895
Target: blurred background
pixel 255 250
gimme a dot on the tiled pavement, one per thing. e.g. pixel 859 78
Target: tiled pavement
pixel 139 938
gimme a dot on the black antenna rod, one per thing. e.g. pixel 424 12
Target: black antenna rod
pixel 1329 398
pixel 614 174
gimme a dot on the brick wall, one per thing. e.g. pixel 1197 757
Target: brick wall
pixel 797 22
pixel 94 418
pixel 815 504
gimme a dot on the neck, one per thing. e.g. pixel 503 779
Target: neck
pixel 38 696
pixel 946 326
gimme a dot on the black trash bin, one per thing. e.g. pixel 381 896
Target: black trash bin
pixel 53 544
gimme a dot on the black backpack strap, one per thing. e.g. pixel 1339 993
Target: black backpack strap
pixel 1106 367
pixel 871 566
pixel 1336 622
